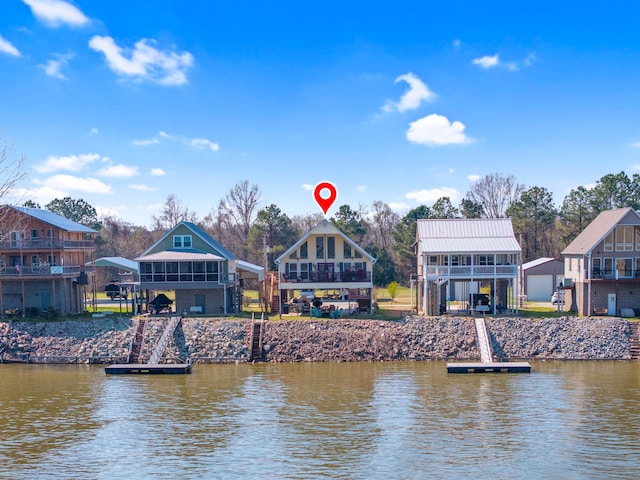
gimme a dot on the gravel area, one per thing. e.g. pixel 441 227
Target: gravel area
pixel 209 340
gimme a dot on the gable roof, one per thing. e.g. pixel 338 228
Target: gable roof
pixel 599 228
pixel 325 227
pixel 55 220
pixel 537 262
pixel 205 237
pixel 467 235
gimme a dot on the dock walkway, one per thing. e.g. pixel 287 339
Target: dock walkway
pixel 486 364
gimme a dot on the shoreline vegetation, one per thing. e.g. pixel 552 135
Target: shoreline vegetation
pixel 226 340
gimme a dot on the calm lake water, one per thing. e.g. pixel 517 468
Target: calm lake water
pixel 295 421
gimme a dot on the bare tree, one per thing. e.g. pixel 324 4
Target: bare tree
pixel 495 193
pixel 383 223
pixel 11 173
pixel 237 212
pixel 173 212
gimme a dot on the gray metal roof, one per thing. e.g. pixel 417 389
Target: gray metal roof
pixel 599 228
pixel 467 235
pixel 119 262
pixel 537 261
pixel 55 220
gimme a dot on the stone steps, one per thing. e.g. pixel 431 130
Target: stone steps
pixel 634 349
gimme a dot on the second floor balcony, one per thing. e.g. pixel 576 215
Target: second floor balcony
pixel 45 244
pixel 42 271
pixel 470 271
pixel 327 277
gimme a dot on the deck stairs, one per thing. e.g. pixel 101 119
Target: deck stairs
pixel 257 332
pixel 634 349
pixel 483 341
pixel 135 352
pixel 161 346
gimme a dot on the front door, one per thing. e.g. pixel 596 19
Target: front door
pixel 201 302
pixel 611 304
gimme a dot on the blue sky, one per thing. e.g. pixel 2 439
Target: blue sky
pixel 124 102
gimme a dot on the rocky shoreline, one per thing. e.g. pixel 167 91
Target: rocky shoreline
pixel 219 340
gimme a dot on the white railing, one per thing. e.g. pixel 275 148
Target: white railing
pixel 471 271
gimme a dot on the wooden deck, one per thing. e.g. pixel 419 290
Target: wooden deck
pixel 493 367
pixel 146 369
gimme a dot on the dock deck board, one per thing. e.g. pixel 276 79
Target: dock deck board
pixel 493 367
pixel 146 369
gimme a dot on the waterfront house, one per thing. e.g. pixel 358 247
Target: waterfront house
pixel 324 259
pixel 602 265
pixel 42 262
pixel 205 276
pixel 472 264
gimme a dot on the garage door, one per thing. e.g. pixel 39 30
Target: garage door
pixel 539 288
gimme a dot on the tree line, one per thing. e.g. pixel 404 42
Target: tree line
pixel 259 234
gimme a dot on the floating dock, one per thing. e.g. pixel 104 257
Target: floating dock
pixel 494 367
pixel 153 366
pixel 486 364
pixel 147 369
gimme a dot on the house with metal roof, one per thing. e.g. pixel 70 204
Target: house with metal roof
pixel 472 264
pixel 206 277
pixel 602 265
pixel 43 262
pixel 325 259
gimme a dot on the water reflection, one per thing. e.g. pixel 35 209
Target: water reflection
pixel 349 421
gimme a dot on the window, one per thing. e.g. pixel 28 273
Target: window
pixel 624 239
pixel 16 237
pixel 357 254
pixel 158 272
pixel 51 259
pixel 331 247
pixel 624 267
pixel 608 243
pixel 182 241
pixel 346 250
pixel 172 271
pixel 608 267
pixel 637 235
pixel 198 271
pixel 34 233
pixel 597 267
pixel 304 271
pixel 186 271
pixel 213 271
pixel 319 247
pixel 485 259
pixel 292 271
pixel 304 251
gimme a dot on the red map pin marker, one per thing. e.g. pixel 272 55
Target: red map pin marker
pixel 325 194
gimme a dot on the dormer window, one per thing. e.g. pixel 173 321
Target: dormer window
pixel 182 241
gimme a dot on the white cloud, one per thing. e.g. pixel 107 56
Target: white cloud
pixel 487 61
pixel 119 171
pixel 54 66
pixel 166 135
pixel 636 145
pixel 145 62
pixel 108 211
pixel 157 172
pixel 142 188
pixel 307 186
pixel 456 43
pixel 8 48
pixel 72 163
pixel 203 143
pixel 361 188
pixel 73 183
pixel 94 131
pixel 437 130
pixel 473 177
pixel 144 143
pixel 57 12
pixel 417 93
pixel 430 196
